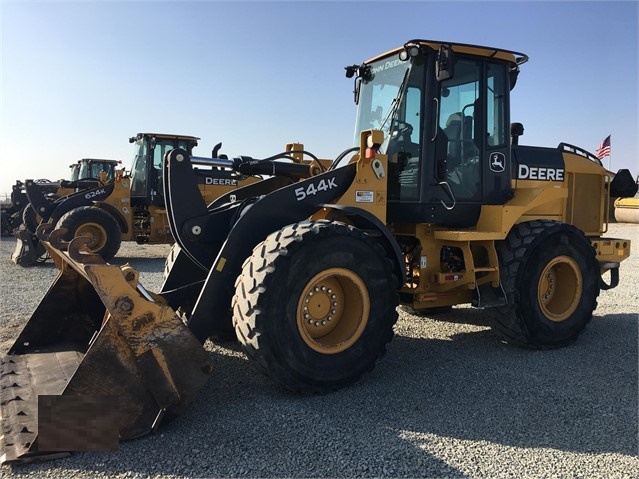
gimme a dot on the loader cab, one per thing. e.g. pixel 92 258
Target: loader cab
pixel 444 111
pixel 146 171
pixel 90 168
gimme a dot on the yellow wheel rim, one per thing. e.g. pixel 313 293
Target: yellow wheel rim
pixel 333 310
pixel 560 288
pixel 96 234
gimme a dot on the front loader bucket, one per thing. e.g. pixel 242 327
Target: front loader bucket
pixel 100 360
pixel 29 250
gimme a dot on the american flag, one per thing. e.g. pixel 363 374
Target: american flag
pixel 604 148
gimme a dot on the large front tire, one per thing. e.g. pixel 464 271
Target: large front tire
pixel 99 226
pixel 315 305
pixel 551 279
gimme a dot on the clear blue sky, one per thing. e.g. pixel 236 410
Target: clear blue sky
pixel 79 78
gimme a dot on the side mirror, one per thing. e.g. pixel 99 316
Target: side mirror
pixel 445 65
pixel 513 74
pixel 360 72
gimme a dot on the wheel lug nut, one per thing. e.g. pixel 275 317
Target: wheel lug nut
pixel 333 296
pixel 329 291
pixel 306 316
pixel 317 323
pixel 330 318
pixel 316 288
pixel 333 311
pixel 334 303
pixel 323 323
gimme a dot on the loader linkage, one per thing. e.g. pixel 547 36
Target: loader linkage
pixel 99 337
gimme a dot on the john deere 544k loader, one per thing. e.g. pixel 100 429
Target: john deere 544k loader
pixel 437 205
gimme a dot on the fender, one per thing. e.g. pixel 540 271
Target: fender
pixel 365 220
pixel 113 211
pixel 81 198
pixel 266 215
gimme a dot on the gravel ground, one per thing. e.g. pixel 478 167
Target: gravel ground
pixel 447 400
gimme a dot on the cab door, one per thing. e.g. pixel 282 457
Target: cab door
pixel 471 144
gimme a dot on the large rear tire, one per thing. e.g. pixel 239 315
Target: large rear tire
pixel 101 228
pixel 315 305
pixel 550 276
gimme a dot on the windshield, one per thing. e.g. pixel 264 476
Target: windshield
pixel 391 101
pixel 382 107
pixel 138 168
pixel 75 172
pixel 84 171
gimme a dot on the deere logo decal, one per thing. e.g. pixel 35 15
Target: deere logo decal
pixel 525 172
pixel 220 181
pixel 497 162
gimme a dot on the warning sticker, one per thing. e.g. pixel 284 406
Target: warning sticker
pixel 364 196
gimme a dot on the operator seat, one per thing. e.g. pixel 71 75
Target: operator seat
pixel 460 172
pixel 453 130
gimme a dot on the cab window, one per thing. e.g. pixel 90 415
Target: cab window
pixel 460 124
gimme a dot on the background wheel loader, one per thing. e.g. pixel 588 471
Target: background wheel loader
pixel 128 208
pixel 84 174
pixel 436 205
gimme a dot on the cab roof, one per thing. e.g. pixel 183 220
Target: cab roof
pixel 512 57
pixel 103 160
pixel 166 135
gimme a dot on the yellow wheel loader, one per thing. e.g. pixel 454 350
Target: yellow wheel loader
pixel 436 205
pixel 120 207
pixel 85 173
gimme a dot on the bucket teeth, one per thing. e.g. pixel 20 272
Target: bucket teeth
pixel 19 411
